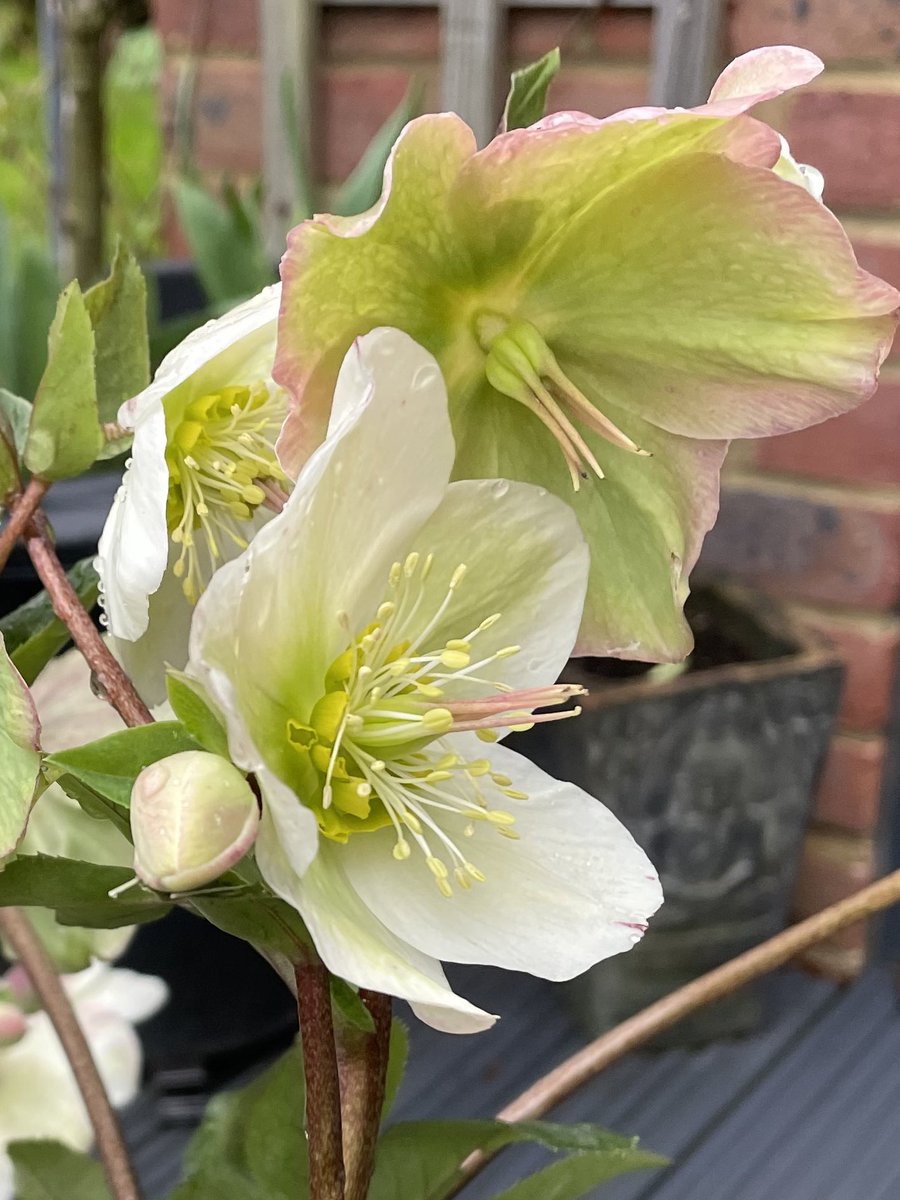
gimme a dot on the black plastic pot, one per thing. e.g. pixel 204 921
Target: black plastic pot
pixel 713 772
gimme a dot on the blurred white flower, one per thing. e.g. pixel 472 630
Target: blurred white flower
pixel 38 1094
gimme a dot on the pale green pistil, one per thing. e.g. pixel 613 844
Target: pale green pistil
pixel 521 365
pixel 222 467
pixel 376 737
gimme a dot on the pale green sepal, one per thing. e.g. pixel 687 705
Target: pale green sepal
pixel 15 413
pixel 19 754
pixel 64 436
pixel 527 99
pixel 193 709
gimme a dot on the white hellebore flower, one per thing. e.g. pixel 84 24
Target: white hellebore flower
pixel 366 652
pixel 202 477
pixel 38 1094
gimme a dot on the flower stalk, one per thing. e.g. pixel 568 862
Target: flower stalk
pixel 110 1144
pixel 323 1090
pixel 362 1065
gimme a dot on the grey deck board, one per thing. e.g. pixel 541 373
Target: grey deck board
pixel 808 1108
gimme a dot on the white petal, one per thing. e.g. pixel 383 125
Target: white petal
pixel 288 835
pixel 38 1094
pixel 525 558
pixel 116 1050
pixel 355 946
pixel 238 344
pixel 126 995
pixel 356 505
pixel 134 545
pixel 163 642
pixel 6 1177
pixel 573 890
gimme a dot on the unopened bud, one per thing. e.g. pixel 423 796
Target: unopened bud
pixel 13 1024
pixel 193 816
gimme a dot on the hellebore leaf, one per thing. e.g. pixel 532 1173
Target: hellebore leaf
pixel 64 436
pixel 117 307
pixel 527 99
pixel 19 753
pixel 78 891
pixel 46 1170
pixel 195 713
pixel 253 1138
pixel 34 633
pixel 15 413
pixel 419 1160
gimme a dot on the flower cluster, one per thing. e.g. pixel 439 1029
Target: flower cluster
pixel 482 427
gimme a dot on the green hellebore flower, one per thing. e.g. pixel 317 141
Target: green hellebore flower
pixel 610 301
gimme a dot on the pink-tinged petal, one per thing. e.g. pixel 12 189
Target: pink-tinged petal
pixel 721 302
pixel 761 75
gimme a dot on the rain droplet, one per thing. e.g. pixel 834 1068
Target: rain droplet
pixel 500 488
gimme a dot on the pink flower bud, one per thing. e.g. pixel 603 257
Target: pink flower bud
pixel 193 815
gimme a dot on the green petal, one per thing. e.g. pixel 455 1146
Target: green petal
pixel 644 523
pixel 720 302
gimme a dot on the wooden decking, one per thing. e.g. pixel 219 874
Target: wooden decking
pixel 806 1109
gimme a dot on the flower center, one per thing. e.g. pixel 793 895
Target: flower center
pixel 521 365
pixel 222 467
pixel 378 736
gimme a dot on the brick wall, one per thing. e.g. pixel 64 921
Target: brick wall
pixel 813 517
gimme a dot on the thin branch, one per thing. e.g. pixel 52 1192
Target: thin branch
pixel 554 1087
pixel 113 681
pixel 21 510
pixel 362 1064
pixel 323 1091
pixel 107 1133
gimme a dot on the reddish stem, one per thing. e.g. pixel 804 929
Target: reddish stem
pixel 323 1091
pixel 362 1062
pixel 113 681
pixel 21 509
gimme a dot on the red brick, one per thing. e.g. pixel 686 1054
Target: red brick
pixel 852 135
pixel 226 108
pixel 849 795
pixel 199 27
pixel 835 29
pixel 598 90
pixel 411 34
pixel 869 647
pixel 807 543
pixel 579 32
pixel 833 867
pixel 353 104
pixel 862 446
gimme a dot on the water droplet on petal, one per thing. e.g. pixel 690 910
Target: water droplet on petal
pixel 500 488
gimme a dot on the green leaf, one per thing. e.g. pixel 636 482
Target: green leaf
pixel 527 99
pixel 575 1176
pixel 33 632
pixel 78 891
pixel 349 1012
pixel 15 413
pixel 231 261
pixel 420 1160
pixel 110 765
pixel 398 1054
pixel 64 436
pixel 363 187
pixel 195 713
pixel 117 308
pixel 46 1170
pixel 254 1139
pixel 20 757
pixel 256 917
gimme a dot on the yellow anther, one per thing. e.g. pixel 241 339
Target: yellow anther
pixel 461 878
pixel 395 574
pixel 386 610
pixel 457 577
pixel 514 794
pixel 430 691
pixel 459 644
pixel 401 850
pixel 378 765
pixel 498 816
pixel 437 776
pixel 448 761
pixel 411 821
pixel 455 660
pixel 477 767
pixel 506 832
pixel 486 735
pixel 472 870
pixel 490 621
pixel 436 867
pixel 522 728
pixel 444 888
pixel 437 720
pixel 409 567
pixel 426 566
pixel 501 781
pixel 507 652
